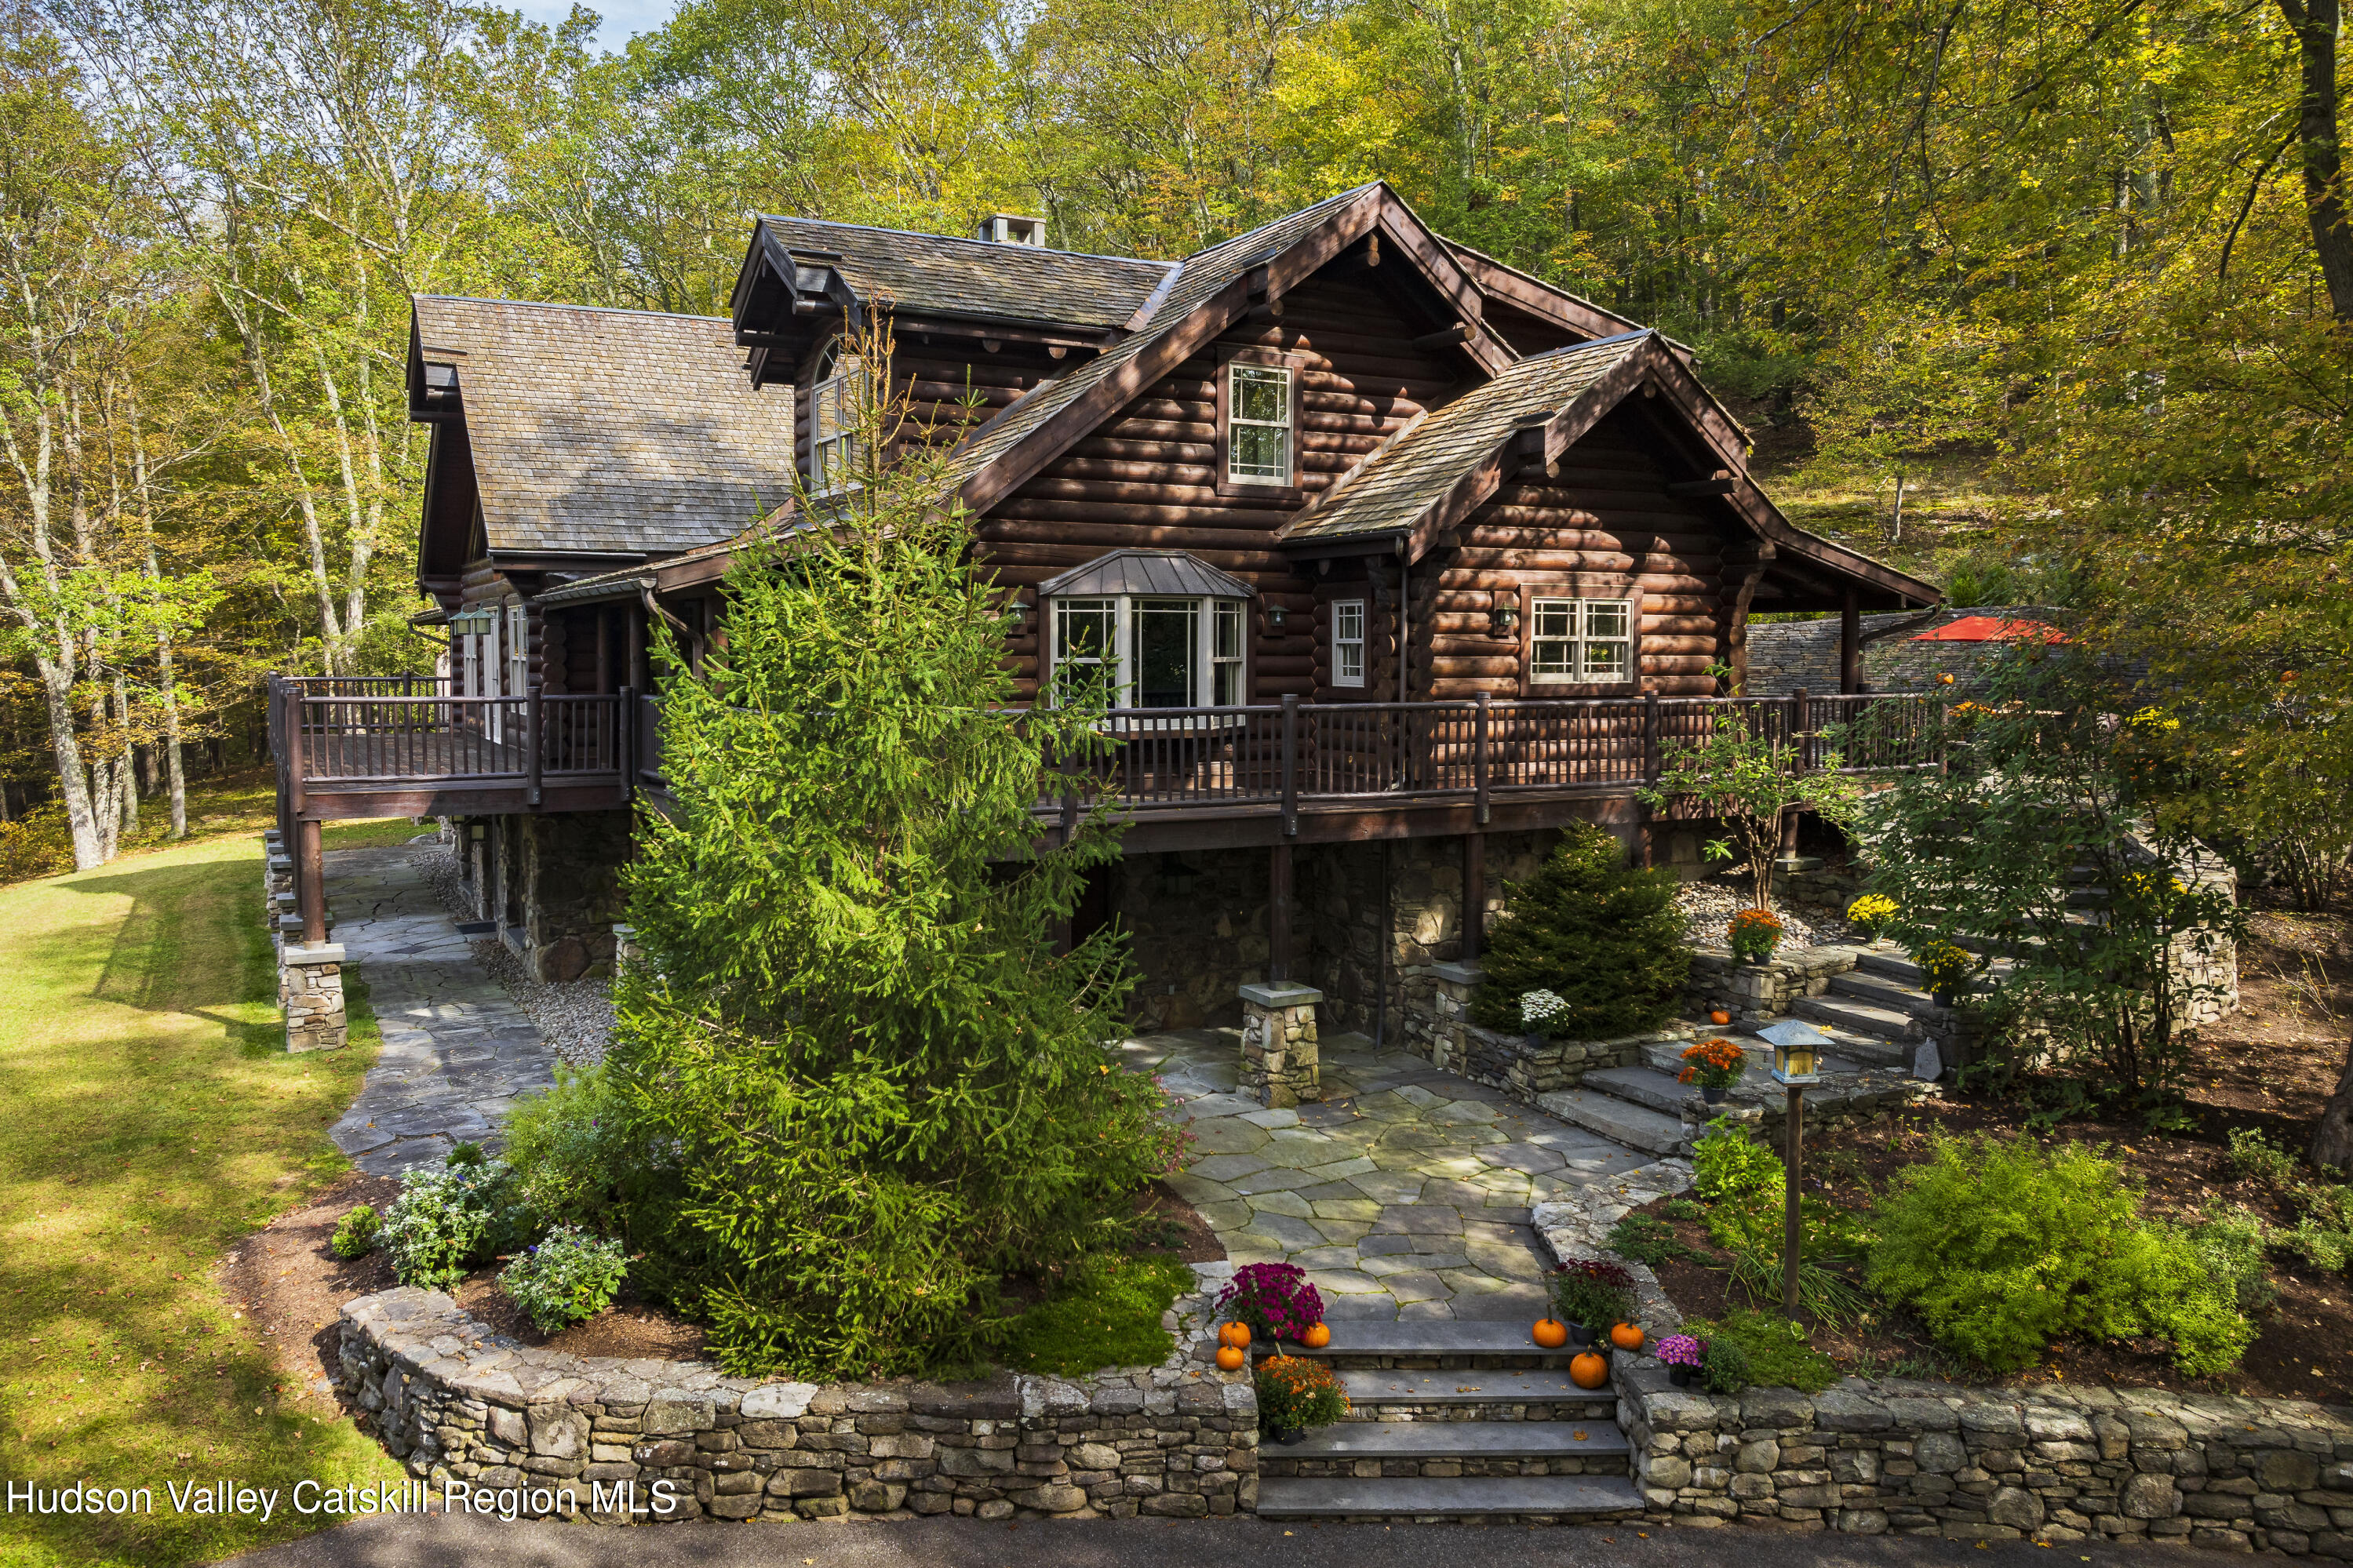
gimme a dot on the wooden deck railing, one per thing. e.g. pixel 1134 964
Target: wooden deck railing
pixel 347 733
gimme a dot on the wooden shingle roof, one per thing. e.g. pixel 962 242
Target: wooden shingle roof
pixel 608 432
pixel 942 274
pixel 1395 485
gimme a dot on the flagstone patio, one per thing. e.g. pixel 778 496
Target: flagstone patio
pixel 1405 1194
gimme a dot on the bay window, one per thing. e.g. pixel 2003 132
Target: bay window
pixel 1157 652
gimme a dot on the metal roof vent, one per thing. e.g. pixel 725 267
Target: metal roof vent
pixel 1006 229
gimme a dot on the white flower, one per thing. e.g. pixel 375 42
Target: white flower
pixel 1539 1006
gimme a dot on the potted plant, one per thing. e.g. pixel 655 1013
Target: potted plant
pixel 1682 1354
pixel 1274 1300
pixel 1715 1066
pixel 1590 1294
pixel 1948 968
pixel 1753 935
pixel 1538 1008
pixel 1869 915
pixel 1296 1395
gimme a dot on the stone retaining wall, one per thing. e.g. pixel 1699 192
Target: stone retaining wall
pixel 465 1407
pixel 2050 1463
pixel 1756 993
pixel 1437 1025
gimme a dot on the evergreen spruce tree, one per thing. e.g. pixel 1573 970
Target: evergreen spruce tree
pixel 880 1086
pixel 1606 938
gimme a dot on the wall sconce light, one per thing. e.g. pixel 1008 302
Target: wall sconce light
pixel 1025 612
pixel 1503 618
pixel 1275 615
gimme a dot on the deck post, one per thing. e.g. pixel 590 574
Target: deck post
pixel 1652 762
pixel 625 738
pixel 1290 764
pixel 1851 643
pixel 1482 777
pixel 1278 919
pixel 310 881
pixel 1475 895
pixel 1797 765
pixel 531 761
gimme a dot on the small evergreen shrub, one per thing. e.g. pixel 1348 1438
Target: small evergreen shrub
pixel 355 1234
pixel 1297 1394
pixel 567 1277
pixel 1107 1313
pixel 1727 1163
pixel 1684 1208
pixel 1649 1241
pixel 1606 940
pixel 1762 1349
pixel 572 1148
pixel 444 1222
pixel 2004 1248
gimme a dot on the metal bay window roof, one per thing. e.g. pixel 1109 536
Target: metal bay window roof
pixel 1156 574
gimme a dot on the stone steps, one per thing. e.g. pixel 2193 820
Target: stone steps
pixel 1467 1394
pixel 1881 991
pixel 1533 1498
pixel 1651 1088
pixel 1435 1346
pixel 1449 1449
pixel 1618 1120
pixel 1860 1017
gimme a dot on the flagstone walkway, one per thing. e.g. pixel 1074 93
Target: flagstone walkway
pixel 457 1048
pixel 1406 1193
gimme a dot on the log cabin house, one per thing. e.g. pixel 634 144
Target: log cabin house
pixel 1463 549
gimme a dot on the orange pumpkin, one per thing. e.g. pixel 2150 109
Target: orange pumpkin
pixel 1626 1336
pixel 1719 1016
pixel 1317 1336
pixel 1230 1358
pixel 1589 1370
pixel 1551 1333
pixel 1237 1335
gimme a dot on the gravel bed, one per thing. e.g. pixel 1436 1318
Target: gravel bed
pixel 1710 906
pixel 574 1015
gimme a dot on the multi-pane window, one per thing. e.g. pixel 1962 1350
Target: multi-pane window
pixel 1258 425
pixel 1086 639
pixel 1581 641
pixel 837 416
pixel 1158 652
pixel 518 651
pixel 1225 654
pixel 1348 641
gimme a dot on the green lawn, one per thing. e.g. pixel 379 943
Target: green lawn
pixel 153 1118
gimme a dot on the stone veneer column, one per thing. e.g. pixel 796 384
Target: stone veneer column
pixel 310 989
pixel 1281 1063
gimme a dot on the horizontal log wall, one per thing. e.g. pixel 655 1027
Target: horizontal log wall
pixel 1148 480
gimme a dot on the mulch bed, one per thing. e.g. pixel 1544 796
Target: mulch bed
pixel 2271 1066
pixel 293 1289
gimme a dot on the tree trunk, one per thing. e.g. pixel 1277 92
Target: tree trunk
pixel 72 781
pixel 2318 24
pixel 2332 1139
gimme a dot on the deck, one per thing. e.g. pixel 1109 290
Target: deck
pixel 1307 771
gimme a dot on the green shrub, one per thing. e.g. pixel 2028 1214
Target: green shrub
pixel 1649 1241
pixel 567 1277
pixel 2253 1155
pixel 572 1149
pixel 1684 1208
pixel 1761 1349
pixel 1593 1292
pixel 1727 1163
pixel 355 1234
pixel 1606 938
pixel 2004 1248
pixel 1724 1366
pixel 2230 1246
pixel 444 1222
pixel 1107 1313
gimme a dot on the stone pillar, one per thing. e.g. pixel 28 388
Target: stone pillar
pixel 1281 1066
pixel 310 989
pixel 1449 1013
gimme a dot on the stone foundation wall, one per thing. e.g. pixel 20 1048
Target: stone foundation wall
pixel 1435 1022
pixel 1760 993
pixel 1198 923
pixel 569 865
pixel 2047 1463
pixel 460 1405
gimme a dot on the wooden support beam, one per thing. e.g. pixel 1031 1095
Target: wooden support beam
pixel 309 882
pixel 1279 907
pixel 1475 895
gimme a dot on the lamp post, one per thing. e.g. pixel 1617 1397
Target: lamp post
pixel 1797 1062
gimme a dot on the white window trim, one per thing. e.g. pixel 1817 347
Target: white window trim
pixel 834 458
pixel 1580 638
pixel 1340 676
pixel 1121 659
pixel 1235 371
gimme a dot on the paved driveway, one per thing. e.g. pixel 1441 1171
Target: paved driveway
pixel 1405 1194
